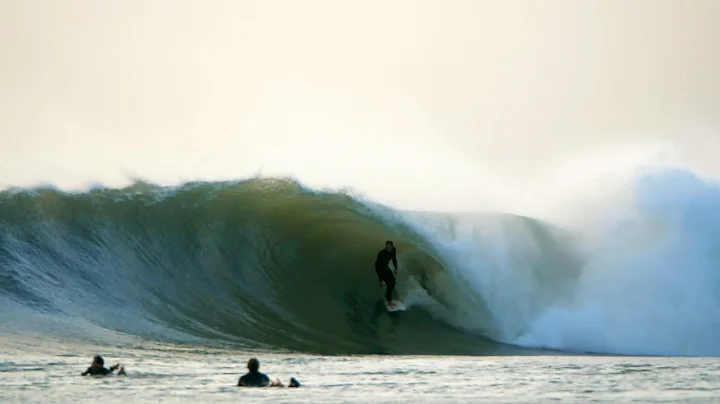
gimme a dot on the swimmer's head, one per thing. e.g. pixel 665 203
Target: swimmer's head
pixel 253 365
pixel 98 361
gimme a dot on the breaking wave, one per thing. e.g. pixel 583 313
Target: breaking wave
pixel 270 264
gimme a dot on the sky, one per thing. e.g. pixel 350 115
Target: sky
pixel 421 104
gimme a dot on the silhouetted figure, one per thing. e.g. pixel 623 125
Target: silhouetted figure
pixel 382 268
pixel 255 378
pixel 97 367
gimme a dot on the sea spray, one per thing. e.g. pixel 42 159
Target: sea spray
pixel 649 283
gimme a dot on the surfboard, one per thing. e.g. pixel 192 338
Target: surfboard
pixel 396 305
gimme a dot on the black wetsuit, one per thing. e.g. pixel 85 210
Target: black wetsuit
pixel 254 379
pixel 99 371
pixel 384 272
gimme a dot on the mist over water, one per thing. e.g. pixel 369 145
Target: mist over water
pixel 650 279
pixel 640 271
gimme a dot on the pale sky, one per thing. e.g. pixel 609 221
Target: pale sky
pixel 422 104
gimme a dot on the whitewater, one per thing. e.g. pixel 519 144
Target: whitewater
pixel 172 281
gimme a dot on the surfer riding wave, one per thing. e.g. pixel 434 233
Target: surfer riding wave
pixel 382 268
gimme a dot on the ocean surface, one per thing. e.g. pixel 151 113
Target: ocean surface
pixel 183 284
pixel 48 372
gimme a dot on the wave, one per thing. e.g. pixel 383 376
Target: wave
pixel 270 264
pixel 263 263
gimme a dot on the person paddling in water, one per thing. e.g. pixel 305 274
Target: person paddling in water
pixel 384 273
pixel 98 368
pixel 256 378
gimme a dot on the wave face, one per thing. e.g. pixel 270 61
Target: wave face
pixel 268 264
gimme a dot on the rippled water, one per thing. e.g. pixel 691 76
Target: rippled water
pixel 51 373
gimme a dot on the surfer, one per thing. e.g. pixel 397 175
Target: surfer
pixel 98 368
pixel 382 268
pixel 255 378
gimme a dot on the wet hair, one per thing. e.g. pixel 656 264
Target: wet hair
pixel 253 364
pixel 99 359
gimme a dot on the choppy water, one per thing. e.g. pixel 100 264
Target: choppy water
pixel 48 372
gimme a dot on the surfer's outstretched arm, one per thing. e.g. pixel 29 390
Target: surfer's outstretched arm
pixel 121 372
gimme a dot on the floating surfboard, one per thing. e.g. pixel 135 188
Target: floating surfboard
pixel 395 305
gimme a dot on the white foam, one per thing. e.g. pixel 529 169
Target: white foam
pixel 648 282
